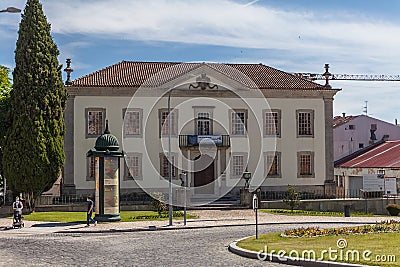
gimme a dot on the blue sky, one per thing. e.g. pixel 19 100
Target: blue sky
pixel 354 37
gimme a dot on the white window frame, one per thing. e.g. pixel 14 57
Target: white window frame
pixel 305 126
pixel 205 119
pixel 88 120
pixel 128 122
pixel 136 157
pixel 202 110
pixel 238 127
pixel 163 119
pixel 300 161
pixel 268 124
pixel 236 169
pixel 270 156
pixel 164 166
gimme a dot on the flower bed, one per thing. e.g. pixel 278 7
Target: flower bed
pixel 379 227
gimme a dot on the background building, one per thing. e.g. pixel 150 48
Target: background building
pixel 382 157
pixel 351 133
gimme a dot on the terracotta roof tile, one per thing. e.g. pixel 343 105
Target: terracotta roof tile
pixel 340 120
pixel 132 74
pixel 386 155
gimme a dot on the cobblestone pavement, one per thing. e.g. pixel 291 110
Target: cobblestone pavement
pixel 38 244
pixel 206 218
pixel 185 247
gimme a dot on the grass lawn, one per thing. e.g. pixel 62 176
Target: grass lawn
pixel 382 245
pixel 126 216
pixel 315 213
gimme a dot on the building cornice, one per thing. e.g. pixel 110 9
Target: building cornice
pixel 268 93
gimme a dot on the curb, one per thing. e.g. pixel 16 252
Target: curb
pixel 168 228
pixel 285 260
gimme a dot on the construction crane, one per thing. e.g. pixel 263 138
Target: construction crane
pixel 327 76
pixel 341 77
pixel 355 77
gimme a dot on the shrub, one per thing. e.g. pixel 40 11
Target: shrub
pixel 158 203
pixel 175 214
pixel 292 198
pixel 393 209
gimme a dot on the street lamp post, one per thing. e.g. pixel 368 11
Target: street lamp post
pixel 169 160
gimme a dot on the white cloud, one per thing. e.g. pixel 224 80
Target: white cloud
pixel 300 41
pixel 308 37
pixel 296 40
pixel 381 97
pixel 229 23
pixel 70 50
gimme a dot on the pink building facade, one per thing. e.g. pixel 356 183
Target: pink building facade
pixel 351 133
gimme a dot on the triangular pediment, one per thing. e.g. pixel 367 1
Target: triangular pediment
pixel 194 76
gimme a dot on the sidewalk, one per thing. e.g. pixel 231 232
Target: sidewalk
pixel 206 219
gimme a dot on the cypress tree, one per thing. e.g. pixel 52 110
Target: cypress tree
pixel 34 149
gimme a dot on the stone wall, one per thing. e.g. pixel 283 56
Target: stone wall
pixel 375 206
pixel 69 208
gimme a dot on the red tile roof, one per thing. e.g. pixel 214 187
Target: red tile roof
pixel 131 74
pixel 340 120
pixel 385 155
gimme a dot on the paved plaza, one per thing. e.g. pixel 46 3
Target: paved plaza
pixel 206 218
pixel 127 244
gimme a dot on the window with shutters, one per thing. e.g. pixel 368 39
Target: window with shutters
pixel 305 161
pixel 95 122
pixel 164 171
pixel 133 166
pixel 132 122
pixel 273 164
pixel 163 122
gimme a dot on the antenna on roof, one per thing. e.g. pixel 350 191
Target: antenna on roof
pixel 366 108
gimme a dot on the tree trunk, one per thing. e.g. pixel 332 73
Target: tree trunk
pixel 30 202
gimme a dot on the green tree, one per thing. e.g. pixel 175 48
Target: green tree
pixel 5 82
pixel 292 199
pixel 34 146
pixel 5 88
